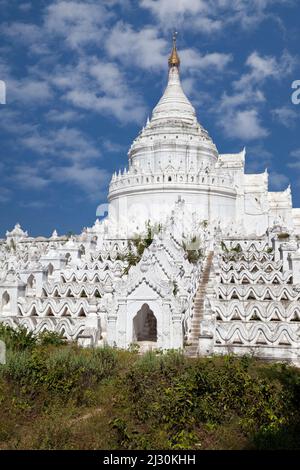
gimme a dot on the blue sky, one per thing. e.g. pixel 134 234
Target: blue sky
pixel 82 76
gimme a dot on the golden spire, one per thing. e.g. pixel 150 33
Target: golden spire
pixel 174 60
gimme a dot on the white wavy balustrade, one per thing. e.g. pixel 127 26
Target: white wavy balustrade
pixel 254 310
pixel 70 328
pixel 73 289
pixel 257 246
pixel 252 266
pixel 247 257
pixel 54 307
pixel 256 277
pixel 249 334
pixel 98 271
pixel 257 292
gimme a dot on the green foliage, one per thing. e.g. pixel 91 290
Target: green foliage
pixel 18 338
pixel 193 254
pixel 206 392
pixel 237 249
pixel 64 371
pixel 151 401
pixel 51 337
pixel 224 247
pixel 139 244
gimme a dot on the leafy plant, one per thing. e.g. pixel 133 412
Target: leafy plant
pixel 17 338
pixel 51 337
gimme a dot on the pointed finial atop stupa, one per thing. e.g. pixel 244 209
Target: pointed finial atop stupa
pixel 174 60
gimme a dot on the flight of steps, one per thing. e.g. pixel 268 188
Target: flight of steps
pixel 193 339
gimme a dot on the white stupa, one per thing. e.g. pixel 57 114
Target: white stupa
pixel 219 272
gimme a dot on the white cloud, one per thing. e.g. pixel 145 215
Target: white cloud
pixel 78 23
pixel 26 6
pixel 5 195
pixel 258 158
pixel 278 181
pixel 209 16
pixel 295 164
pixel 28 91
pixel 245 125
pixel 215 60
pixel 55 115
pixel 238 113
pixel 285 116
pixel 177 13
pixel 295 153
pixel 68 143
pixel 100 87
pixel 229 103
pixel 27 177
pixel 146 49
pixel 22 32
pixel 34 204
pixel 167 11
pixel 207 25
pixel 113 147
pixel 12 121
pixel 142 48
pixel 265 67
pixel 90 179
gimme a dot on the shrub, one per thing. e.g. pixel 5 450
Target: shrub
pixel 18 338
pixel 179 396
pixel 62 371
pixel 51 337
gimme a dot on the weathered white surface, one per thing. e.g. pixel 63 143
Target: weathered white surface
pixel 84 288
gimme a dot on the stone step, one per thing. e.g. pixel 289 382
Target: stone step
pixel 195 330
pixel 192 348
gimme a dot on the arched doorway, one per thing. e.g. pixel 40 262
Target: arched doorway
pixel 145 325
pixel 31 285
pixel 5 302
pixel 50 270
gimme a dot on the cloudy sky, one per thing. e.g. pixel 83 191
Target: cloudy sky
pixel 82 77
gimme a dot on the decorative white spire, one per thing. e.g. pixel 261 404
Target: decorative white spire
pixel 174 104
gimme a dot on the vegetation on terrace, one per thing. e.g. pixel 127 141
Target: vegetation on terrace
pixel 55 395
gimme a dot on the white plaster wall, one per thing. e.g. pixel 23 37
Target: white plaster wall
pixel 134 209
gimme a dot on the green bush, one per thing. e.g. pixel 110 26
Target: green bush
pixel 182 396
pixel 18 339
pixel 51 338
pixel 62 371
pixel 154 401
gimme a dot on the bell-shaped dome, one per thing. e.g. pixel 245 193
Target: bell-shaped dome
pixel 173 132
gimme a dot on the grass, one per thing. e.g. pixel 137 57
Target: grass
pixel 60 396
